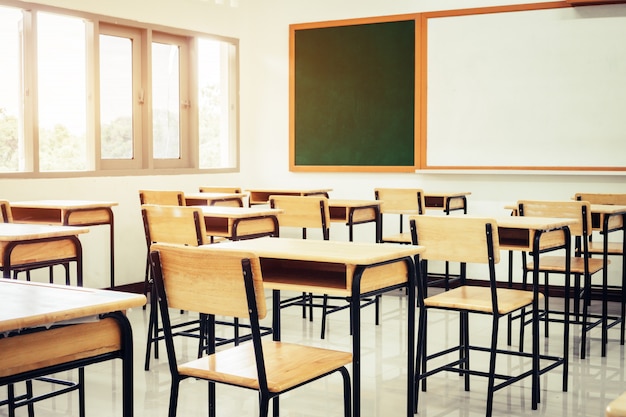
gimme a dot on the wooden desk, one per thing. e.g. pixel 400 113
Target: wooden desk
pixel 352 212
pixel 37 347
pixel 213 199
pixel 608 218
pixel 346 269
pixel 69 213
pixel 28 246
pixel 262 195
pixel 237 223
pixel 537 235
pixel 446 201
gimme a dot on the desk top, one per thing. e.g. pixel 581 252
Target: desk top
pixel 238 212
pixel 534 223
pixel 63 204
pixel 330 251
pixel 607 209
pixel 595 208
pixel 30 304
pixel 289 190
pixel 353 203
pixel 446 194
pixel 10 232
pixel 214 196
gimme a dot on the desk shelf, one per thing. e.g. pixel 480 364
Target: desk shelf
pixel 280 274
pixel 522 239
pixel 615 222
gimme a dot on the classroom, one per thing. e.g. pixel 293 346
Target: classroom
pixel 476 127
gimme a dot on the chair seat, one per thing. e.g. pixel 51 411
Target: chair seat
pixel 478 299
pixel 398 238
pixel 597 248
pixel 287 365
pixel 557 264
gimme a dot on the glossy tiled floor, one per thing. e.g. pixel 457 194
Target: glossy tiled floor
pixel 593 382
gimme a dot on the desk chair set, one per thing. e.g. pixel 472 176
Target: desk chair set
pixel 33 342
pixel 182 231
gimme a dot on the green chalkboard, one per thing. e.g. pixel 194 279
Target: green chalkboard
pixel 353 95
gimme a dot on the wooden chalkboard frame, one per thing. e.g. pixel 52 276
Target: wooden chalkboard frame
pixel 314 149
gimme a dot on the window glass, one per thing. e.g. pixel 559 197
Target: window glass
pixel 165 101
pixel 11 140
pixel 61 93
pixel 116 97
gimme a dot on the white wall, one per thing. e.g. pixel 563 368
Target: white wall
pixel 262 27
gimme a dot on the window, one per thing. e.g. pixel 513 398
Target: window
pixel 170 100
pixel 121 98
pixel 82 94
pixel 11 137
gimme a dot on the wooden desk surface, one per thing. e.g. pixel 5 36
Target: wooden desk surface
pixel 29 304
pixel 330 251
pixel 214 196
pixel 534 223
pixel 446 194
pixel 607 209
pixel 238 212
pixel 12 232
pixel 63 204
pixel 262 195
pixel 333 202
pixel 295 191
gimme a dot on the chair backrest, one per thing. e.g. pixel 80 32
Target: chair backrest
pixel 579 210
pixel 174 224
pixel 5 212
pixel 396 200
pixel 162 197
pixel 220 189
pixel 303 211
pixel 602 198
pixel 212 282
pixel 462 239
pixel 207 280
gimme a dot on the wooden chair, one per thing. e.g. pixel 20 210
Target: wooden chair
pixel 402 202
pixel 305 212
pixel 5 212
pixel 161 197
pixel 468 240
pixel 596 247
pixel 581 265
pixel 614 247
pixel 229 283
pixel 175 225
pixel 311 212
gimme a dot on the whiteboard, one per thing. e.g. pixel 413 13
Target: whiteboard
pixel 533 89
